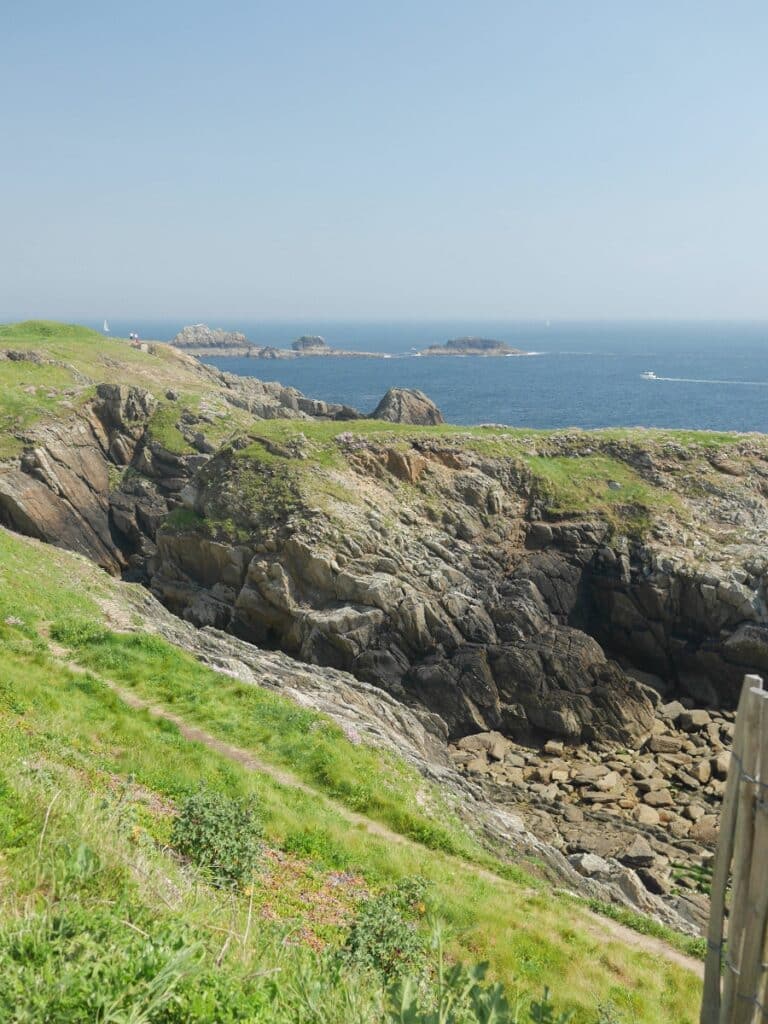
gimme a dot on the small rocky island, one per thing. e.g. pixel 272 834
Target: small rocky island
pixel 201 340
pixel 471 346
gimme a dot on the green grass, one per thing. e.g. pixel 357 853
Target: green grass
pixel 77 734
pixel 89 351
pixel 65 731
pixel 688 944
pixel 365 780
pixel 164 430
pixel 571 471
pixel 579 485
pixel 30 391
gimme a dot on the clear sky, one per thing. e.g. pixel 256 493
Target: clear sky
pixel 343 158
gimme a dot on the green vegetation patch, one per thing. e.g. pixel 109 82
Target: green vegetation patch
pixel 163 428
pixel 221 835
pixel 597 484
pixel 366 780
pixel 31 392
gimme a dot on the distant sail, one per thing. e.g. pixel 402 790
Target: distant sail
pixel 106 327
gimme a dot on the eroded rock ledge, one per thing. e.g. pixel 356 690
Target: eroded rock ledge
pixel 427 568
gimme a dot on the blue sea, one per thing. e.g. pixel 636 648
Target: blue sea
pixel 712 376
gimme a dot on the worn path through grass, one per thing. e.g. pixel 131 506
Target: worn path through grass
pixel 598 926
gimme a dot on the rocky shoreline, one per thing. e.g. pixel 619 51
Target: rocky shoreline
pixel 569 614
pixel 656 811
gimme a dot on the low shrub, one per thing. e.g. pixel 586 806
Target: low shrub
pixel 221 834
pixel 385 937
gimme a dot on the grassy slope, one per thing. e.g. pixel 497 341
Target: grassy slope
pixel 80 358
pixel 117 773
pixel 62 732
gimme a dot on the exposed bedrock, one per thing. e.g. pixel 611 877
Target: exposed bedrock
pixel 435 578
pixel 58 491
pixel 100 483
pixel 695 632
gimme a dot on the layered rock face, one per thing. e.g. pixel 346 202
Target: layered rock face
pixel 438 580
pixel 467 622
pixel 99 481
pixel 59 489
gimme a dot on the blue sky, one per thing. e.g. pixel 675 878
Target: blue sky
pixel 576 159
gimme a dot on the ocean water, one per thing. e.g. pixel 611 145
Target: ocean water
pixel 713 376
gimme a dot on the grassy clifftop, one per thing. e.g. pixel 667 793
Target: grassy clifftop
pixel 55 368
pixel 633 479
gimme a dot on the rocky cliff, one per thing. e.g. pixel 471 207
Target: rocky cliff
pixel 96 467
pixel 555 600
pixel 448 575
pixel 512 589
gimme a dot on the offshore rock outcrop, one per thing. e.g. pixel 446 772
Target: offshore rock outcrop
pixel 200 336
pixel 472 346
pixel 407 405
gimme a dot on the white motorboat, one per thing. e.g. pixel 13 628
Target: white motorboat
pixel 648 375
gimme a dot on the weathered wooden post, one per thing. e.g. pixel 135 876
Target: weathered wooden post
pixel 737 997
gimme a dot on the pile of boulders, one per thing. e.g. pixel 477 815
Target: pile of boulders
pixel 655 810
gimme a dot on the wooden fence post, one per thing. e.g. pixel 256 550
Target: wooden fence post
pixel 749 978
pixel 734 843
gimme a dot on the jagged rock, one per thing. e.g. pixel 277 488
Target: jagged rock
pixel 309 343
pixel 721 764
pixel 407 405
pixel 638 854
pixel 672 711
pixel 591 865
pixel 202 336
pixel 703 772
pixel 694 720
pixel 646 815
pixel 664 744
pixel 694 812
pixel 553 748
pixel 655 881
pixel 705 830
pixel 573 814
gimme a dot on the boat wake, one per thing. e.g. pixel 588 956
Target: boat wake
pixel 698 380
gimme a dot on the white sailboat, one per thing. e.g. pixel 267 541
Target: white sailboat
pixel 106 327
